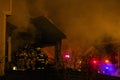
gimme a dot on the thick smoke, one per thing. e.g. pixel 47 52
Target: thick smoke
pixel 83 21
pixel 24 33
pixel 20 15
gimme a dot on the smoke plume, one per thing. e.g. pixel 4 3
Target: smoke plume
pixel 83 21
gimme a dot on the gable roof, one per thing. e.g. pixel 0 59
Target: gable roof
pixel 48 33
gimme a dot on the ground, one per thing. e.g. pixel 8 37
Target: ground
pixel 52 74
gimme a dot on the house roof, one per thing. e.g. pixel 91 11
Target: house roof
pixel 48 33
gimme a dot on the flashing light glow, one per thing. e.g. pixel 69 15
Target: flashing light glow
pixel 94 61
pixel 98 71
pixel 107 61
pixel 107 68
pixel 103 71
pixel 67 56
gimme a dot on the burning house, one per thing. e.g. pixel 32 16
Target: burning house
pixel 46 34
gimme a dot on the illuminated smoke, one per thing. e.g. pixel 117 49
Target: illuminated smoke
pixel 83 21
pixel 20 15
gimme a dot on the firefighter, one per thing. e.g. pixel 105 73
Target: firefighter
pixel 33 59
pixel 41 59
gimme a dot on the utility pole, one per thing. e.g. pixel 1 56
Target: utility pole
pixel 5 9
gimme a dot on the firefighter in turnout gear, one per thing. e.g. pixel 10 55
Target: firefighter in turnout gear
pixel 41 59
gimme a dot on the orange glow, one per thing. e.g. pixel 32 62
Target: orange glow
pixel 107 61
